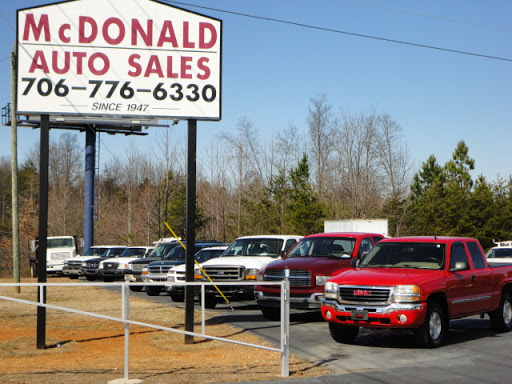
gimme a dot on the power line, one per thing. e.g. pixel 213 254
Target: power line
pixel 425 15
pixel 342 32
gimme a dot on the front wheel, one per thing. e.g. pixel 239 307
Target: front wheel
pixel 90 277
pixel 210 302
pixel 501 318
pixel 345 334
pixel 271 313
pixel 433 331
pixel 152 290
pixel 177 298
pixel 136 288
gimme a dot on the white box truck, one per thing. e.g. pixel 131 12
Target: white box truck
pixel 357 225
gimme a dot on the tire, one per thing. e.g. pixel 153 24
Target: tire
pixel 344 334
pixel 210 302
pixel 33 269
pixel 151 290
pixel 177 298
pixel 136 288
pixel 108 279
pixel 90 278
pixel 73 277
pixel 271 313
pixel 432 333
pixel 501 318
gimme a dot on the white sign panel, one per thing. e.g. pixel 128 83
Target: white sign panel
pixel 119 58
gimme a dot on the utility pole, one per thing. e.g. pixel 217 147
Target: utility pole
pixel 14 175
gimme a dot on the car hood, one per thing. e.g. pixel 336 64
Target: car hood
pixel 318 265
pixel 258 262
pixel 386 276
pixel 166 262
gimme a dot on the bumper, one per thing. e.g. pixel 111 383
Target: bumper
pixel 72 271
pixel 117 274
pixel 154 278
pixel 241 292
pixel 132 277
pixel 57 268
pixel 90 272
pixel 297 301
pixel 395 315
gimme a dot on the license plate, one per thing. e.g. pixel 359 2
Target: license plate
pixel 357 314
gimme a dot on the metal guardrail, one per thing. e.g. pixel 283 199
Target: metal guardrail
pixel 284 348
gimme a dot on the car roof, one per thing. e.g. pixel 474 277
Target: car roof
pixel 427 239
pixel 270 237
pixel 345 234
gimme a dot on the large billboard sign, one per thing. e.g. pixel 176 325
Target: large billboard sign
pixel 118 58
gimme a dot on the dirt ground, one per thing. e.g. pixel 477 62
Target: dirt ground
pixel 84 349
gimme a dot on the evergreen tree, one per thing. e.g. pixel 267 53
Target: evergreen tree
pixel 306 211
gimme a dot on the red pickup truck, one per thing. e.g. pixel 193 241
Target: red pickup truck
pixel 311 262
pixel 418 283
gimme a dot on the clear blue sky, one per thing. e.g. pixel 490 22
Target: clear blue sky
pixel 271 70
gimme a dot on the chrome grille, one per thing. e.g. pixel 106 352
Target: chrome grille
pixel 225 273
pixel 137 267
pixel 298 278
pixel 110 266
pixel 74 264
pixel 59 255
pixel 94 264
pixel 363 295
pixel 159 269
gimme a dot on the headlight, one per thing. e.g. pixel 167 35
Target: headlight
pixel 406 294
pixel 197 274
pixel 331 290
pixel 123 266
pixel 84 264
pixel 144 271
pixel 252 274
pixel 320 280
pixel 261 276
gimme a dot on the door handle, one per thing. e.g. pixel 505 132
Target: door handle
pixel 473 278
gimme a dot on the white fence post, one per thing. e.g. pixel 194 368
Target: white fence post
pixel 126 316
pixel 285 325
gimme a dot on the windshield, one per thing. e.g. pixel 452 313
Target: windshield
pixel 95 251
pixel 163 249
pixel 254 247
pixel 405 255
pixel 113 252
pixel 323 246
pixel 499 253
pixel 60 243
pixel 133 252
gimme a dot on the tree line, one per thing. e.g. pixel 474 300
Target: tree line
pixel 343 166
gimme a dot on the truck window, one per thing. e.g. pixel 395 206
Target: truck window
pixel 458 254
pixel 366 246
pixel 289 243
pixel 476 255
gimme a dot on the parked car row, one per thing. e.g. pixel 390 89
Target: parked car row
pixel 354 279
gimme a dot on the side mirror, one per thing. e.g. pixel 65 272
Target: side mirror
pixel 460 266
pixel 363 255
pixel 354 263
pixel 282 254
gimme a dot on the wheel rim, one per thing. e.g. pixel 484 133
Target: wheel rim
pixel 435 326
pixel 507 312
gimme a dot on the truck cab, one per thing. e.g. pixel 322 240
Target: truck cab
pixel 310 263
pixel 58 249
pixel 242 261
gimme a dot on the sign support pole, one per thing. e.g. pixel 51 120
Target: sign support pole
pixel 43 228
pixel 190 230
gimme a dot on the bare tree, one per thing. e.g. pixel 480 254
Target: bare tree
pixel 321 127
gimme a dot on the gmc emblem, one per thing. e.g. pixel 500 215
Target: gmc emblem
pixel 360 292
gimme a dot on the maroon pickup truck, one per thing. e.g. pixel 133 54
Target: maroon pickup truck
pixel 418 283
pixel 311 262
